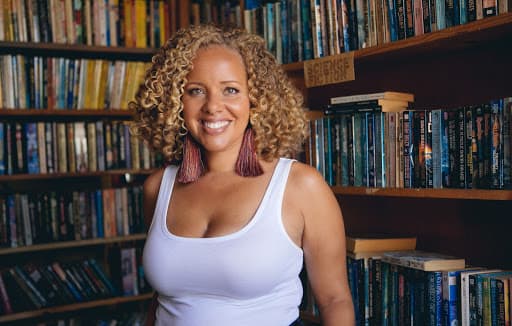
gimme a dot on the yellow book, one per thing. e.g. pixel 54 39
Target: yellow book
pixel 127 82
pixel 91 146
pixel 89 85
pixel 161 22
pixel 140 24
pixel 102 85
pixel 379 243
pixel 128 24
pixel 96 83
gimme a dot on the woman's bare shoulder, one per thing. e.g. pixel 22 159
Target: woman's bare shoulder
pixel 152 182
pixel 150 192
pixel 305 176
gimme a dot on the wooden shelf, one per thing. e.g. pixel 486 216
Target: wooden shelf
pixel 426 66
pixel 76 51
pixel 73 307
pixel 477 33
pixel 72 244
pixel 463 194
pixel 58 175
pixel 64 114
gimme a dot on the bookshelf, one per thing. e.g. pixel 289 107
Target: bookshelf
pixel 459 65
pixel 440 69
pixel 64 248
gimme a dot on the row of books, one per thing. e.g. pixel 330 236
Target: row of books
pixel 71 147
pixel 66 83
pixel 298 30
pixel 130 23
pixel 29 287
pixel 34 218
pixel 226 12
pixel 402 287
pixel 467 147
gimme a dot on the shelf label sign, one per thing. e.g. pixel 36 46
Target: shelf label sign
pixel 329 70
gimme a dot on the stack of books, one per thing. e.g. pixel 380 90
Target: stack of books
pixel 387 101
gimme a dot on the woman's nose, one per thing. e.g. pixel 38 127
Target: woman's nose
pixel 213 103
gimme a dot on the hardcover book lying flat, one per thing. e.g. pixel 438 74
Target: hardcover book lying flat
pixel 388 95
pixel 377 243
pixel 423 260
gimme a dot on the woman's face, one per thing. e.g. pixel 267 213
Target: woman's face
pixel 216 99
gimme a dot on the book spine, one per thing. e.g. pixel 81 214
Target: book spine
pixel 23 286
pixel 434 298
pixel 6 302
pixel 450 297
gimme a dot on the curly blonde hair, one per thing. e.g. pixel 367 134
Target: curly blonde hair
pixel 276 115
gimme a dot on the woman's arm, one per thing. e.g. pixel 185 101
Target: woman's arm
pixel 323 243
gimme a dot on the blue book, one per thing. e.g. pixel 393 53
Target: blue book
pixel 496 144
pixel 32 147
pixel 392 19
pixel 358 123
pixel 385 310
pixel 328 148
pixel 2 152
pixel 507 145
pixel 434 301
pixel 99 213
pixel 103 277
pixel 286 32
pixel 307 40
pixel 451 297
pixel 271 29
pixel 369 151
pixel 463 14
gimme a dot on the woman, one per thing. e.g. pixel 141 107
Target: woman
pixel 232 219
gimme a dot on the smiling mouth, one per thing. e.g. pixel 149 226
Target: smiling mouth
pixel 215 124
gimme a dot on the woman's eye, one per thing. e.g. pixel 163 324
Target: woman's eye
pixel 231 90
pixel 195 91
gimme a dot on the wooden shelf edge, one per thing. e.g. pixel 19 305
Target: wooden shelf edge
pixel 66 48
pixel 463 194
pixel 462 33
pixel 72 244
pixel 25 176
pixel 63 113
pixel 73 307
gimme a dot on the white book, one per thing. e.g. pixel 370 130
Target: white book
pixel 464 292
pixel 389 95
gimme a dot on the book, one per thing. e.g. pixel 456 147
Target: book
pixel 423 260
pixel 4 297
pixel 388 95
pixel 378 242
pixel 382 105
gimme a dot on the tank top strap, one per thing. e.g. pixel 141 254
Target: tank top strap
pixel 279 180
pixel 164 195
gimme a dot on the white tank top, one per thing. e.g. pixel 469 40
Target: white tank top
pixel 249 277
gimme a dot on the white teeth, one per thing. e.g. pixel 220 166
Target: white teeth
pixel 216 124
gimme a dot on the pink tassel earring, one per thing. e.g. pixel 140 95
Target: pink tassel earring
pixel 247 164
pixel 191 167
